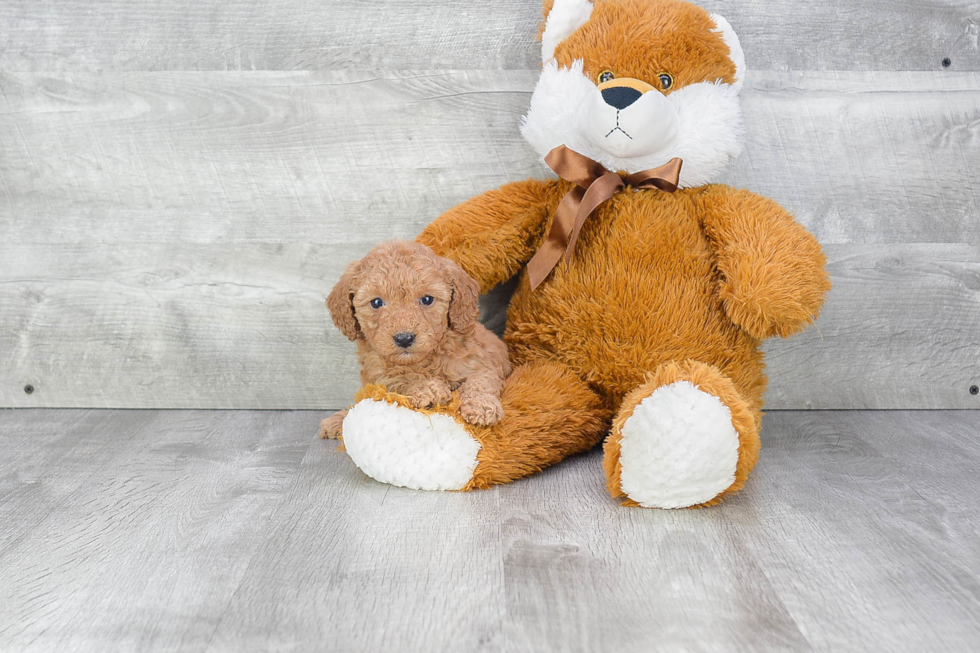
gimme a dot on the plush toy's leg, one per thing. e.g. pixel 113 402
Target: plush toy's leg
pixel 686 437
pixel 549 414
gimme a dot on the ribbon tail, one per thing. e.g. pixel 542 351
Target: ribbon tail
pixel 542 263
pixel 601 190
pixel 550 251
pixel 574 209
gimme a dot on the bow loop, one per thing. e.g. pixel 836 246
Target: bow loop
pixel 572 166
pixel 593 186
pixel 664 177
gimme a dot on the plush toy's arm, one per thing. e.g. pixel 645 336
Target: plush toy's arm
pixel 493 235
pixel 773 270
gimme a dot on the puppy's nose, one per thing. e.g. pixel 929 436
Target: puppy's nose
pixel 620 96
pixel 404 339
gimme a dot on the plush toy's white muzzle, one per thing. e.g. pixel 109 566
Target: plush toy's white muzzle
pixel 700 123
pixel 648 124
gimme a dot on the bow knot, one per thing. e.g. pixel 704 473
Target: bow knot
pixel 593 186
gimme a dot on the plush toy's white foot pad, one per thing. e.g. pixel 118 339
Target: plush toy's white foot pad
pixel 400 446
pixel 678 448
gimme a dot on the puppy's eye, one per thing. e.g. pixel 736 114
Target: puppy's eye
pixel 427 300
pixel 666 81
pixel 377 302
pixel 605 76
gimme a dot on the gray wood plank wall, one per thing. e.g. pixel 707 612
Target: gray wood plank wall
pixel 182 182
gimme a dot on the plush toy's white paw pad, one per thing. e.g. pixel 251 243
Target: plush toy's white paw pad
pixel 678 448
pixel 400 446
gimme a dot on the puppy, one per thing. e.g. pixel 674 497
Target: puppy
pixel 414 317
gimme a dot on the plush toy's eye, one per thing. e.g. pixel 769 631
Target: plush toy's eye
pixel 605 76
pixel 377 302
pixel 666 81
pixel 427 300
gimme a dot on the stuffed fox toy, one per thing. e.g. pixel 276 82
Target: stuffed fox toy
pixel 645 290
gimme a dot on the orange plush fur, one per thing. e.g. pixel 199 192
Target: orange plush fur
pixel 662 287
pixel 627 38
pixel 434 302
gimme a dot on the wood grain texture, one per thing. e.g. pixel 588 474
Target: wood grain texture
pixel 372 567
pixel 169 236
pixel 228 531
pixel 901 329
pixel 174 325
pixel 134 529
pixel 244 326
pixel 253 157
pixel 290 157
pixel 584 576
pixel 855 542
pixel 41 470
pixel 303 35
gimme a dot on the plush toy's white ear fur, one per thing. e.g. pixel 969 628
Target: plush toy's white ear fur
pixel 731 40
pixel 565 17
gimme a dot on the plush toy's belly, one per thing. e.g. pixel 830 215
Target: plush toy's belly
pixel 642 289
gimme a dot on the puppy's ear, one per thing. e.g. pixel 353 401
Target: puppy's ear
pixel 341 303
pixel 464 308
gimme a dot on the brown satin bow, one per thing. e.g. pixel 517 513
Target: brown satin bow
pixel 593 186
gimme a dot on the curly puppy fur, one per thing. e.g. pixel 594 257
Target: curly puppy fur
pixel 431 302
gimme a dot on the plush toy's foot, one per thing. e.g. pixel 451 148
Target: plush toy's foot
pixel 684 438
pixel 393 443
pixel 549 414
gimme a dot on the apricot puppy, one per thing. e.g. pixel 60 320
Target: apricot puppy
pixel 414 317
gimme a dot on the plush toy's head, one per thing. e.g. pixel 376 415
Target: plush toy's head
pixel 634 83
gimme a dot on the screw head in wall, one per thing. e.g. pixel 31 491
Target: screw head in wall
pixel 29 389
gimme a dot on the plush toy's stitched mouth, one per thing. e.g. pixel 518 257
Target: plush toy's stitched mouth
pixel 618 128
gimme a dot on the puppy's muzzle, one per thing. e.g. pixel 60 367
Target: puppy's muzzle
pixel 404 340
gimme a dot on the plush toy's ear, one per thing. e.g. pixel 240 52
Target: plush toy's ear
pixel 341 303
pixel 731 40
pixel 562 18
pixel 464 308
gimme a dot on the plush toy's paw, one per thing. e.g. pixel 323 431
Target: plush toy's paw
pixel 392 443
pixel 764 320
pixel 432 392
pixel 678 448
pixel 332 427
pixel 485 410
pixel 776 297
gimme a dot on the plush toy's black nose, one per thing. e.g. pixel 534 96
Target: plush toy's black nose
pixel 620 96
pixel 404 339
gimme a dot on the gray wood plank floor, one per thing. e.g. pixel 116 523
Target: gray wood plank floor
pixel 233 531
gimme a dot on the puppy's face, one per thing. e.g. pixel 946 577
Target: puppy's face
pixel 403 299
pixel 403 308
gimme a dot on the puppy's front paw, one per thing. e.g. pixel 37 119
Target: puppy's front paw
pixel 433 393
pixel 482 411
pixel 332 427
